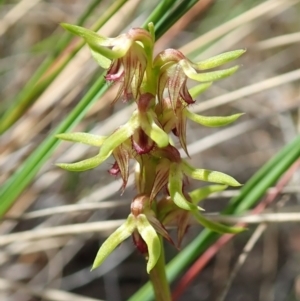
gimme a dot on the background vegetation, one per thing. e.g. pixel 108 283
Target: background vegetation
pixel 53 221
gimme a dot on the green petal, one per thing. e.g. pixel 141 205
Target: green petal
pixel 212 121
pixel 209 175
pixel 175 189
pixel 200 194
pixel 216 226
pixel 153 131
pixel 219 60
pixel 152 240
pixel 84 138
pixel 123 232
pixel 119 136
pixel 108 146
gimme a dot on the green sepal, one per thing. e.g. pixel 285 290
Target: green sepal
pixel 208 175
pixel 175 189
pixel 152 130
pixel 123 232
pixel 219 60
pixel 212 121
pixel 99 44
pixel 94 40
pixel 151 238
pixel 200 194
pixel 83 165
pixel 85 138
pixel 108 146
pixel 207 76
pixel 199 89
pixel 87 34
pixel 111 54
pixel 103 61
pixel 119 136
pixel 217 227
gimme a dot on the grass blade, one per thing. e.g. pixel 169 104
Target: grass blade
pixel 38 83
pixel 24 175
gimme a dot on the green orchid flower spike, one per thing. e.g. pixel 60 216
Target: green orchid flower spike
pixel 158 86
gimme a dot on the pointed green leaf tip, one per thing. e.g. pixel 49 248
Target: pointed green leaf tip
pixel 212 121
pixel 152 240
pixel 114 240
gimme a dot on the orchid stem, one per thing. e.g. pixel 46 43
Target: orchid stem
pixel 159 280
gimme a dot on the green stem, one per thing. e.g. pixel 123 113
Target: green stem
pixel 159 280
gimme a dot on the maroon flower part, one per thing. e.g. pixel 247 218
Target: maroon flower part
pixel 172 78
pixel 139 243
pixel 141 143
pixel 167 155
pixel 122 156
pixel 129 67
pixel 141 204
pixel 114 170
pixel 171 215
pixel 115 71
pixel 173 121
pixel 129 72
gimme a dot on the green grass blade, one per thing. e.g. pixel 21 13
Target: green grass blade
pixel 10 115
pixel 35 86
pixel 168 20
pixel 158 13
pixel 25 174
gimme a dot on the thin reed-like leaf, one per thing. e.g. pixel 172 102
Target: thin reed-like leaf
pixel 19 180
pixel 41 78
